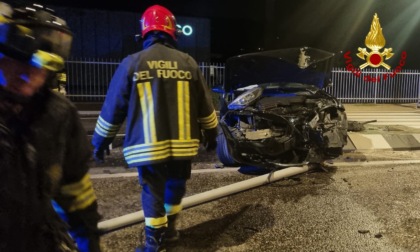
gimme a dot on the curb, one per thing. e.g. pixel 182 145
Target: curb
pixel 369 142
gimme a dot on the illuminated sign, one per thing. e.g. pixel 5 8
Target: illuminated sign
pixel 187 30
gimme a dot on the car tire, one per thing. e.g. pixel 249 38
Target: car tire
pixel 223 152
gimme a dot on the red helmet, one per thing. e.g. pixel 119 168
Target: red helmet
pixel 158 18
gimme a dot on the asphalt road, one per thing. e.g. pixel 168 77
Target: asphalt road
pixel 358 203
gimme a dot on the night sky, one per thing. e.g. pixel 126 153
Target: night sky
pixel 248 26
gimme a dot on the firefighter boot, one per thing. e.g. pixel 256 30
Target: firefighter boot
pixel 154 241
pixel 172 234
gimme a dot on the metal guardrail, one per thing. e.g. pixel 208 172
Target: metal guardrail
pixel 88 81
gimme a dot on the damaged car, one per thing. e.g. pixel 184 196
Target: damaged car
pixel 275 112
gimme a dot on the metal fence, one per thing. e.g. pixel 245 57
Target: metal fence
pixel 376 86
pixel 88 81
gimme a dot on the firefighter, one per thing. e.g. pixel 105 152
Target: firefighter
pixel 58 81
pixel 44 150
pixel 163 96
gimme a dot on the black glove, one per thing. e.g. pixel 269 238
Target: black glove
pixel 209 139
pixel 99 156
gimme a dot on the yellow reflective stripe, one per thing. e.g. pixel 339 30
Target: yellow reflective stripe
pixel 151 110
pixel 209 118
pixel 81 192
pixel 24 30
pixel 185 143
pixel 159 156
pixel 172 209
pixel 3 19
pixel 183 99
pixel 180 100
pixel 162 145
pixel 187 110
pixel 143 103
pixel 62 77
pixel 77 187
pixel 162 155
pixel 156 222
pixel 147 108
pixel 210 121
pixel 83 201
pixel 161 150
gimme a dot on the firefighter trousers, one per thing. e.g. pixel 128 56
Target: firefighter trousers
pixel 163 187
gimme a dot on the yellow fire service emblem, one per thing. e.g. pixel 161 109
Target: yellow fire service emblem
pixel 375 41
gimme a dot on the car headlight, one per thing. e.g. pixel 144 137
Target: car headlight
pixel 245 99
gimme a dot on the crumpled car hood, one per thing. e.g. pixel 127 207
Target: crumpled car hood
pixel 304 65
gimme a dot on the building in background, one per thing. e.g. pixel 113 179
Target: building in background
pixel 112 34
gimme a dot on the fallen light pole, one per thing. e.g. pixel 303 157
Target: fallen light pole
pixel 197 199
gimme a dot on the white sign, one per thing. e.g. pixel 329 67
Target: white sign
pixel 187 30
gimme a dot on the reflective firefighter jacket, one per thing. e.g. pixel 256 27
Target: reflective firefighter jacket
pixel 44 155
pixel 166 102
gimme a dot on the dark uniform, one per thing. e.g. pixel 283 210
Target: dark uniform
pixel 44 150
pixel 166 103
pixel 162 94
pixel 44 155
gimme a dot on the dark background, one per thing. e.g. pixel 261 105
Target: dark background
pixel 248 26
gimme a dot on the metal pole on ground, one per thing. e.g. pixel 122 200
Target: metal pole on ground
pixel 197 199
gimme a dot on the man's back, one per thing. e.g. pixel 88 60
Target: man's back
pixel 166 97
